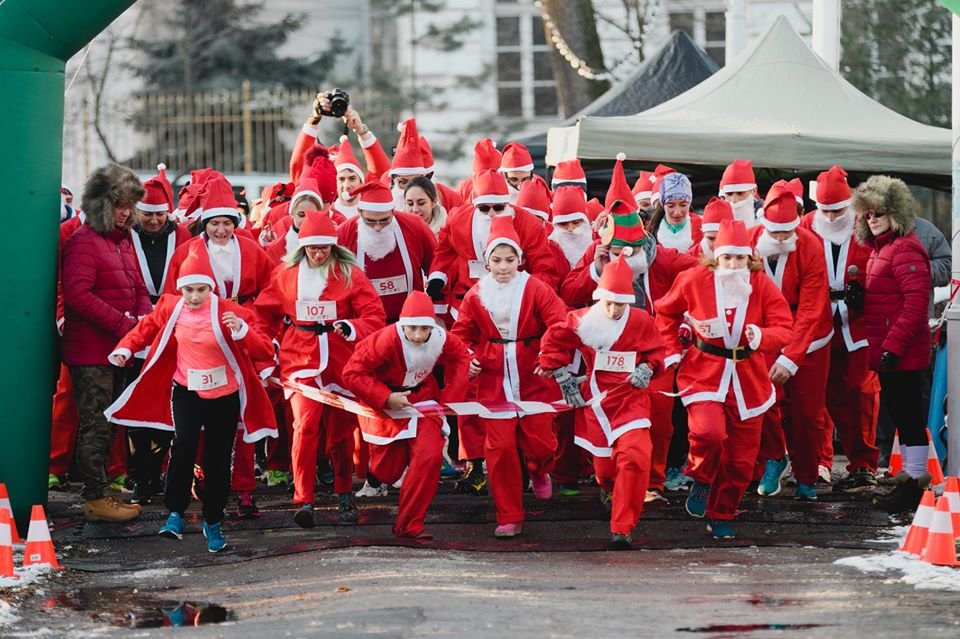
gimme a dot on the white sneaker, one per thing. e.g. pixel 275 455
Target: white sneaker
pixel 399 483
pixel 370 491
pixel 824 473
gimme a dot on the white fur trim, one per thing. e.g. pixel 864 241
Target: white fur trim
pixel 525 167
pixel 437 275
pixel 555 181
pixel 299 195
pixel 499 242
pixel 594 274
pixel 239 335
pixel 370 141
pixel 220 211
pixel 152 208
pixel 620 298
pixel 570 217
pixel 195 278
pixel 317 240
pixel 788 364
pixel 736 188
pixel 350 166
pixel 670 360
pixel 405 171
pixel 775 227
pixel 491 199
pixel 378 207
pixel 732 250
pixel 710 228
pixel 120 351
pixel 417 321
pixel 310 130
pixel 642 195
pixel 836 206
pixel 353 330
pixel 754 344
pixel 541 214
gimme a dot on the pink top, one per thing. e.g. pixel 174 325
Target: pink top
pixel 198 350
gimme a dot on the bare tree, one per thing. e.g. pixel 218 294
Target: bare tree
pixel 576 23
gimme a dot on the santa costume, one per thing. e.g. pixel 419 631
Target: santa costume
pixel 486 157
pixel 388 363
pixel 569 173
pixel 374 156
pixel 737 178
pixel 715 212
pixel 676 188
pixel 155 250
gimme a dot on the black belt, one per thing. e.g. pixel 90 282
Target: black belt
pixel 500 340
pixel 737 354
pixel 316 329
pixel 836 296
pixel 241 299
pixel 403 389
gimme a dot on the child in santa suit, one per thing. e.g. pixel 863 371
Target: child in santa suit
pixel 501 320
pixel 735 310
pixel 206 345
pixel 392 370
pixel 623 351
pixel 318 304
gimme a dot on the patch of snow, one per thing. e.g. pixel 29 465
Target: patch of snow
pixel 894 535
pixel 8 615
pixel 28 576
pixel 921 575
pixel 154 573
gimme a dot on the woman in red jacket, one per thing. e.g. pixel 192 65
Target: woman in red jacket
pixel 897 293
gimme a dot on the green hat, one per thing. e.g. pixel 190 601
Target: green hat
pixel 624 230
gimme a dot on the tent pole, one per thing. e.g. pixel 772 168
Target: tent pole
pixel 736 31
pixel 953 313
pixel 826 31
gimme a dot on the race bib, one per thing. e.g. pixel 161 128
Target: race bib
pixel 415 377
pixel 709 329
pixel 390 285
pixel 316 311
pixel 201 380
pixel 616 361
pixel 478 268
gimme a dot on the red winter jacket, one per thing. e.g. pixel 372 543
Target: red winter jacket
pixel 103 294
pixel 898 290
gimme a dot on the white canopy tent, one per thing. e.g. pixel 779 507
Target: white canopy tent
pixel 777 104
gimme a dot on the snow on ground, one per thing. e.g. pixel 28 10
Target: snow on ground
pixel 8 616
pixel 894 535
pixel 921 575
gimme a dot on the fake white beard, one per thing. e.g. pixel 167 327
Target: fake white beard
pixel 744 211
pixel 311 280
pixel 598 331
pixel 767 246
pixel 497 298
pixel 638 262
pixel 513 192
pixel 573 243
pixel 399 199
pixel 377 244
pixel 835 231
pixel 423 356
pixel 705 247
pixel 735 284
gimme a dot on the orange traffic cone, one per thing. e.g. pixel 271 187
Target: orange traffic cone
pixel 896 456
pixel 6 545
pixel 952 493
pixel 5 503
pixel 933 462
pixel 39 550
pixel 941 550
pixel 917 535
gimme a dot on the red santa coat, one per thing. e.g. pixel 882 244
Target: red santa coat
pixel 577 289
pixel 802 278
pixel 852 254
pixel 400 271
pixel 147 401
pixel 460 251
pixel 696 298
pixel 622 408
pixel 380 365
pixel 373 155
pixel 304 355
pixel 250 261
pixel 507 368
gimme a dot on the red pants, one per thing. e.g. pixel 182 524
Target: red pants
pixel 244 477
pixel 853 405
pixel 361 456
pixel 569 460
pixel 626 475
pixel 723 450
pixel 278 449
pixel 337 428
pixel 661 426
pixel 472 434
pixel 534 436
pixel 795 424
pixel 421 457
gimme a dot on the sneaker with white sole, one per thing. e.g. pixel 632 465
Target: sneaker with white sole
pixel 773 472
pixel 371 491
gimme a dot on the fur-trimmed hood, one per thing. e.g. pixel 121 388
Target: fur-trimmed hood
pixel 888 195
pixel 107 186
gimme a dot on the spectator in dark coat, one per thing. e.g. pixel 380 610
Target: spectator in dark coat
pixel 939 252
pixel 103 295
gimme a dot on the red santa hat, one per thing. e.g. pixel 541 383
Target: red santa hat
pixel 833 190
pixel 616 281
pixel 594 208
pixel 217 200
pixel 569 204
pixel 308 187
pixel 490 187
pixel 374 196
pixel 516 157
pixel 619 194
pixel 643 189
pixel 346 160
pixel 535 197
pixel 317 229
pixel 157 193
pixel 568 171
pixel 281 192
pixel 715 212
pixel 408 159
pixel 502 232
pixel 418 311
pixel 780 212
pixel 794 187
pixel 426 154
pixel 732 239
pixel 188 203
pixel 658 173
pixel 485 156
pixel 320 168
pixel 200 176
pixel 737 177
pixel 196 269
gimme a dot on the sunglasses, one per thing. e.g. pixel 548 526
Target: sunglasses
pixel 872 214
pixel 486 208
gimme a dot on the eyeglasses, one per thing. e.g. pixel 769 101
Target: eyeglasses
pixel 485 208
pixel 377 223
pixel 872 214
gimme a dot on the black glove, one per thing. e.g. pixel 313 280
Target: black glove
pixel 347 330
pixel 435 289
pixel 854 295
pixel 889 361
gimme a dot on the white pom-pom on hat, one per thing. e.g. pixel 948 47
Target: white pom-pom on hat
pixel 161 167
pixel 627 251
pixel 343 139
pixel 621 156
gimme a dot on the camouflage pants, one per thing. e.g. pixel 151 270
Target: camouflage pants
pixel 94 389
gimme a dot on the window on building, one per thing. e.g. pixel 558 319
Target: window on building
pixel 682 21
pixel 716 32
pixel 525 84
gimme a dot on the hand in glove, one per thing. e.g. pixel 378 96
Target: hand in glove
pixel 889 361
pixel 685 334
pixel 641 375
pixel 570 388
pixel 435 289
pixel 854 295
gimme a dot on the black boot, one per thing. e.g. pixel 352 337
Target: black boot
pixel 905 496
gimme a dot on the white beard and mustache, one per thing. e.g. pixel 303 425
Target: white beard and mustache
pixel 767 246
pixel 598 331
pixel 573 243
pixel 744 211
pixel 513 192
pixel 638 262
pixel 497 298
pixel 735 284
pixel 423 356
pixel 836 231
pixel 399 198
pixel 707 250
pixel 377 244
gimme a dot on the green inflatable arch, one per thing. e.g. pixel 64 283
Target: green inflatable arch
pixel 37 37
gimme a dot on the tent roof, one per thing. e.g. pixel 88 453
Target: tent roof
pixel 778 104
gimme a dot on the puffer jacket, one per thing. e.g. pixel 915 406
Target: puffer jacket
pixel 897 292
pixel 103 294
